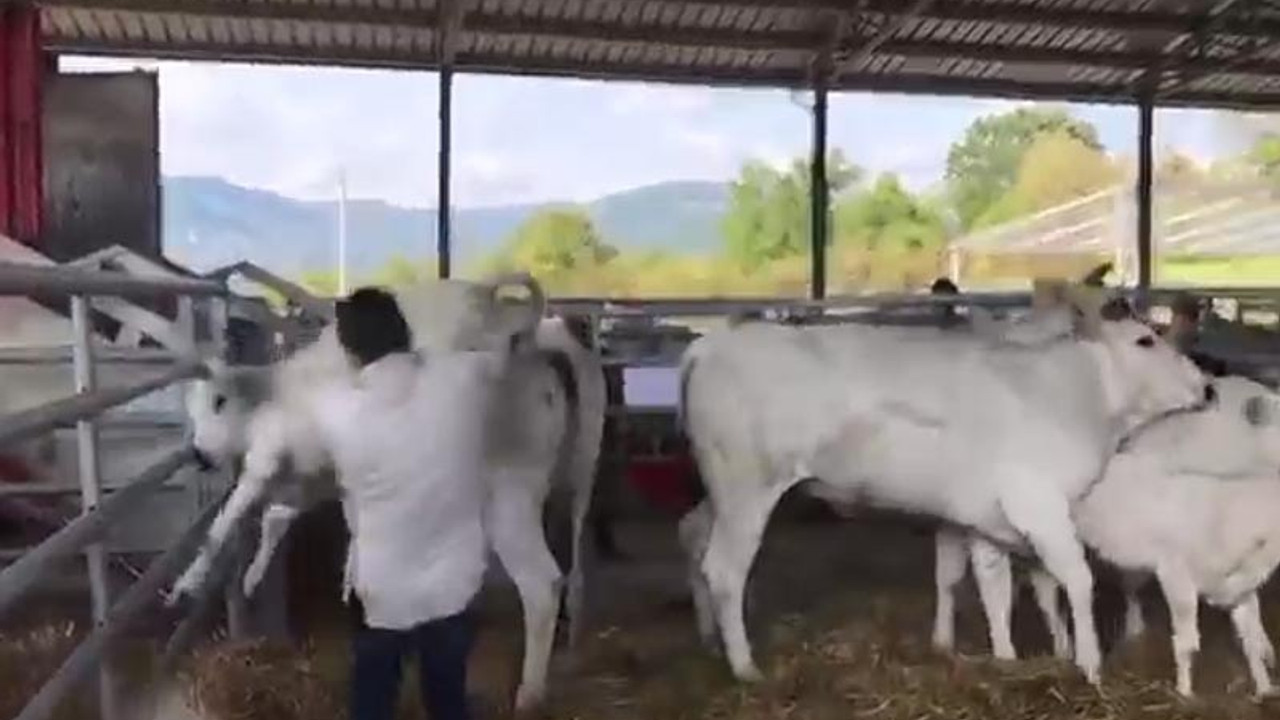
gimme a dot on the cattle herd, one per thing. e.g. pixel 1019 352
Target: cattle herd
pixel 1071 427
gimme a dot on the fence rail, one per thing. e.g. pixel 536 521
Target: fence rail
pixel 98 513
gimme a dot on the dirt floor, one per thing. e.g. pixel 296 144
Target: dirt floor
pixel 840 615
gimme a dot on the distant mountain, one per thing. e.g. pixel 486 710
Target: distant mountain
pixel 209 222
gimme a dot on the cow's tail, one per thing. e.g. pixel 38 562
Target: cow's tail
pixel 580 452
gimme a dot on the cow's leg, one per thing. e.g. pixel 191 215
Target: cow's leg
pixel 575 597
pixel 250 487
pixel 1046 592
pixel 1258 651
pixel 695 534
pixel 1044 518
pixel 515 524
pixel 737 530
pixel 994 575
pixel 276 520
pixel 1183 600
pixel 1134 625
pixel 948 571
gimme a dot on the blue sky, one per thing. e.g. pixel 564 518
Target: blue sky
pixel 290 129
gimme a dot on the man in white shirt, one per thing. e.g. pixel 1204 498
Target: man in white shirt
pixel 405 435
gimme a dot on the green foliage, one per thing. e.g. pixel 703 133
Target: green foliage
pixel 556 241
pixel 885 237
pixel 320 282
pixel 1057 168
pixel 1265 156
pixel 887 217
pixel 768 215
pixel 399 272
pixel 983 165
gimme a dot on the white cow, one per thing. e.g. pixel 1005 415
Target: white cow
pixel 1191 499
pixel 995 437
pixel 544 428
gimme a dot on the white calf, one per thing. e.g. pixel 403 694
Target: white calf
pixel 994 437
pixel 1192 499
pixel 545 426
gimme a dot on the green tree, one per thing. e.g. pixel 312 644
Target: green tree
pixel 320 282
pixel 399 272
pixel 1057 168
pixel 1265 156
pixel 768 214
pixel 983 164
pixel 887 216
pixel 555 241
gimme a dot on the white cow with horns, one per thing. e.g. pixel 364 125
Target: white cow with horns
pixel 997 438
pixel 544 430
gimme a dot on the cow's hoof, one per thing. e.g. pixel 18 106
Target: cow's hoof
pixel 749 674
pixel 529 700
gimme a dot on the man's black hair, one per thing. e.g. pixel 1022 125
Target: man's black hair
pixel 944 286
pixel 371 326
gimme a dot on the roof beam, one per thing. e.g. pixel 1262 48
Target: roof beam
pixel 476 22
pixel 797 41
pixel 1121 21
pixel 913 83
pixel 893 24
pixel 449 27
pixel 1236 63
pixel 660 35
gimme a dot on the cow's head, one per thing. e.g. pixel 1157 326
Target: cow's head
pixel 1142 374
pixel 219 405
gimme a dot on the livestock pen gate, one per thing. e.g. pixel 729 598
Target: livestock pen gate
pixel 1222 53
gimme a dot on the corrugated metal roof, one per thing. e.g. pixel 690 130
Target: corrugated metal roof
pixel 1224 53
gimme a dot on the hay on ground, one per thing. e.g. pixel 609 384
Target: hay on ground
pixel 260 679
pixel 28 658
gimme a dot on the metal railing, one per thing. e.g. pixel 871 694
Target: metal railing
pixel 98 513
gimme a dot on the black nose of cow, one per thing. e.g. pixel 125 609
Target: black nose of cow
pixel 204 463
pixel 1210 393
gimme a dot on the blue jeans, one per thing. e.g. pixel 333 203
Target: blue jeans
pixel 442 647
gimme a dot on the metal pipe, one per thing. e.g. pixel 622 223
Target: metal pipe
pixel 819 195
pixel 220 573
pixel 18 578
pixel 1146 129
pixel 56 354
pixel 87 654
pixel 26 424
pixel 21 279
pixel 444 202
pixel 90 467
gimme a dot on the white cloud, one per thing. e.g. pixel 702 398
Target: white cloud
pixel 636 98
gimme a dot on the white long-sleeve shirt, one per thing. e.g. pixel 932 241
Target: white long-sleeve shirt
pixel 406 440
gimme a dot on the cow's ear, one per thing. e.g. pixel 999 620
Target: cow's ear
pixel 1094 277
pixel 1258 411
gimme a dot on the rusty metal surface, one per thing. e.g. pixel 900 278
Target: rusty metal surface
pixel 1215 54
pixel 102 164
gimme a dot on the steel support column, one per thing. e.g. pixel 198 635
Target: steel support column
pixel 444 208
pixel 1142 191
pixel 22 68
pixel 819 195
